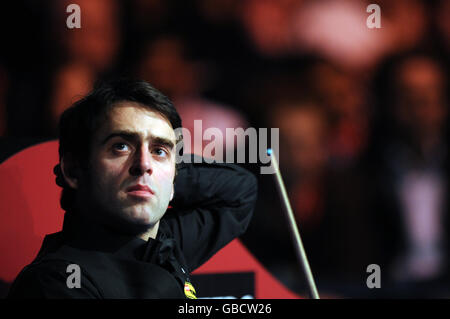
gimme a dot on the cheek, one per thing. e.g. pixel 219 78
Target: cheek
pixel 165 177
pixel 107 174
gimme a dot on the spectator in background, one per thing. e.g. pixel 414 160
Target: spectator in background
pixel 88 52
pixel 166 64
pixel 344 95
pixel 334 29
pixel 405 24
pixel 268 24
pixel 442 19
pixel 415 159
pixel 304 155
pixel 332 207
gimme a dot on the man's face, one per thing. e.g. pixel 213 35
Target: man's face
pixel 132 166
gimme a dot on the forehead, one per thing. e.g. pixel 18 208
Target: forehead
pixel 134 117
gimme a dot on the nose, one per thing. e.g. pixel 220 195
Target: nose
pixel 142 163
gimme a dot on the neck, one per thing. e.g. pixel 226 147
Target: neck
pixel 86 232
pixel 150 233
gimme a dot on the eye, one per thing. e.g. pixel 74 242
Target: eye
pixel 161 152
pixel 120 147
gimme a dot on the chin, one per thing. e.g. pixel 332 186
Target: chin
pixel 141 218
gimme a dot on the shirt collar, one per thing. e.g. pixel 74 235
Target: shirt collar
pixel 83 233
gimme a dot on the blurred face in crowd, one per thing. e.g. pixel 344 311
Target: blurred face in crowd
pixel 303 141
pixel 421 105
pixel 164 64
pixel 342 93
pixel 96 42
pixel 132 166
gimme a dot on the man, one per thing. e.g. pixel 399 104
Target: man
pixel 118 171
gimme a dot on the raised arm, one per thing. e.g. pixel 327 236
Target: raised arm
pixel 213 204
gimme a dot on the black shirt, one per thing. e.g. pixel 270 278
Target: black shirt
pixel 213 205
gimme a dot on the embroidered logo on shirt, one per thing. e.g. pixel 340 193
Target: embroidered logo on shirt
pixel 189 290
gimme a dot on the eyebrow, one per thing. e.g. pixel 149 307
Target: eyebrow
pixel 134 137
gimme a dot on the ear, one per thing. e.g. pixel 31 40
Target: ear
pixel 70 171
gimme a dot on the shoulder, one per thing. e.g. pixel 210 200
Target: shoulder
pixel 51 278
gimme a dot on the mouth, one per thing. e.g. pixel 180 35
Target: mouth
pixel 140 191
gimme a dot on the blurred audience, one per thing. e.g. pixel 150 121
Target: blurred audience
pixel 332 207
pixel 166 65
pixel 345 96
pixel 88 52
pixel 268 24
pixel 337 31
pixel 415 156
pixel 442 13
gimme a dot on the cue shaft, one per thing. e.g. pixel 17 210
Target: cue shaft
pixel 301 254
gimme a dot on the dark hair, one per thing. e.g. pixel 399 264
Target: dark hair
pixel 79 123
